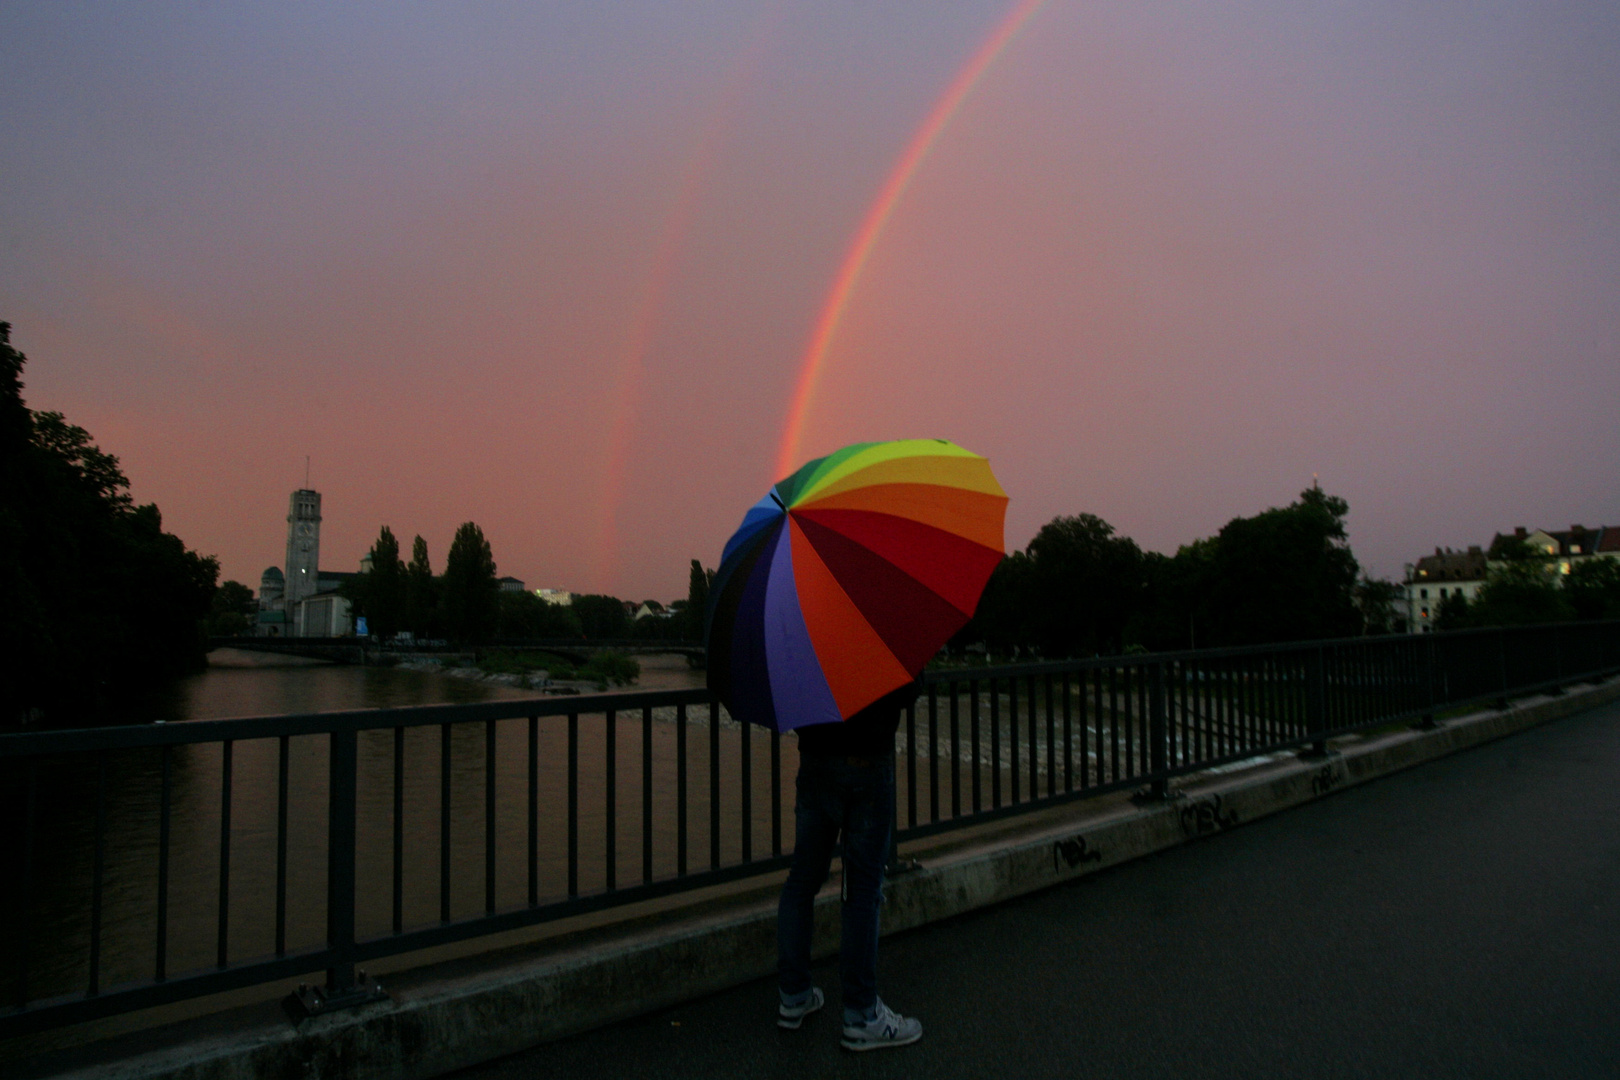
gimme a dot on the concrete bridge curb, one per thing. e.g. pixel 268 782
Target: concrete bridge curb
pixel 453 1016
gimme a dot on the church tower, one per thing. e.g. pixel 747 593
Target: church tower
pixel 303 546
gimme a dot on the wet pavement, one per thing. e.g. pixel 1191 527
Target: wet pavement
pixel 1461 919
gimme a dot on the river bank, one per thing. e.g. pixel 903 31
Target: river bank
pixel 539 679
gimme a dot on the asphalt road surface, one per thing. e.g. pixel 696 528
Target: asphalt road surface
pixel 1457 920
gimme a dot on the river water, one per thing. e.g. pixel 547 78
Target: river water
pixel 444 781
pixel 239 683
pixel 55 929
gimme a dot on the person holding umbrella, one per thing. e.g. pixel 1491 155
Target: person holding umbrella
pixel 836 590
pixel 845 787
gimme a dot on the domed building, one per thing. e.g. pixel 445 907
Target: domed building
pixel 272 611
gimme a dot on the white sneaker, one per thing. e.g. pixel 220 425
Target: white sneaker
pixel 791 1016
pixel 888 1028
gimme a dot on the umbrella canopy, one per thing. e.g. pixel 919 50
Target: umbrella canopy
pixel 847 577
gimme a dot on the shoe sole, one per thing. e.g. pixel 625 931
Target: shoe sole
pixel 857 1046
pixel 793 1023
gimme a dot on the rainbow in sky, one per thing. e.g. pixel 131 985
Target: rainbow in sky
pixel 877 216
pixel 657 283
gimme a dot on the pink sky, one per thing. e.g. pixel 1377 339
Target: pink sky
pixel 554 269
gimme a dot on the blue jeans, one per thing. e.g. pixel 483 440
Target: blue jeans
pixel 837 796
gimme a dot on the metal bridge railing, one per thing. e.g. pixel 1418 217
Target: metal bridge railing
pixel 162 862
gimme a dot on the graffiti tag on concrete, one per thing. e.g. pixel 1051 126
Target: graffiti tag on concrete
pixel 1325 780
pixel 1206 816
pixel 1074 852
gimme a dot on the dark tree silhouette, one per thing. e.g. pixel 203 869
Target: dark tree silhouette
pixel 380 593
pixel 1593 587
pixel 97 596
pixel 697 601
pixel 231 611
pixel 602 616
pixel 469 588
pixel 1286 574
pixel 421 592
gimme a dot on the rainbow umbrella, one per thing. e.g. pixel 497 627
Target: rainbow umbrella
pixel 847 577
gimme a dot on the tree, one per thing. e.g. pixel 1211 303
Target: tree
pixel 695 613
pixel 1453 612
pixel 1089 582
pixel 525 615
pixel 1378 602
pixel 1071 592
pixel 231 611
pixel 1593 588
pixel 1173 616
pixel 421 592
pixel 96 594
pixel 469 588
pixel 602 616
pixel 1521 588
pixel 380 593
pixel 1002 621
pixel 1286 574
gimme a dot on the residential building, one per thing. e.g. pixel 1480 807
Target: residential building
pixel 1568 547
pixel 1448 573
pixel 1435 577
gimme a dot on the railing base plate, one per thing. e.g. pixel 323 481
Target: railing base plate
pixel 1148 796
pixel 308 1001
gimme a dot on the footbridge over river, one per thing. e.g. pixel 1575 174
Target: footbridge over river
pixel 353 650
pixel 520 871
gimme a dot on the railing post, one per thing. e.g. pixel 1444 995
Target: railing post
pixel 1427 720
pixel 1158 748
pixel 1316 701
pixel 1501 660
pixel 345 987
pixel 1557 637
pixel 894 865
pixel 340 838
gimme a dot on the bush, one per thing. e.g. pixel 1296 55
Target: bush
pixel 611 669
pixel 606 668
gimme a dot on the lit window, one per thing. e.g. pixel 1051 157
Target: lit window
pixel 1425 613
